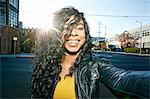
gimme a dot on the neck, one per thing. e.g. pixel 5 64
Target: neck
pixel 70 58
pixel 67 61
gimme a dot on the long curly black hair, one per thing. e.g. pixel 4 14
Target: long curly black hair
pixel 49 51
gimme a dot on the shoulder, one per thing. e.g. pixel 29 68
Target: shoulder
pixel 99 60
pixel 97 64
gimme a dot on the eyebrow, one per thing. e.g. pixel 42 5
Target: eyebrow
pixel 80 24
pixel 77 24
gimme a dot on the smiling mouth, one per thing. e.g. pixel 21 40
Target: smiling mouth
pixel 73 42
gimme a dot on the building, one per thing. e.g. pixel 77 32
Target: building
pixel 143 41
pixel 9 26
pixel 114 40
pixel 143 33
pixel 97 39
pixel 9 40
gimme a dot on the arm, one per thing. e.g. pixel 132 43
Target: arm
pixel 126 81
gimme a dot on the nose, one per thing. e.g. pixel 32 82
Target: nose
pixel 73 33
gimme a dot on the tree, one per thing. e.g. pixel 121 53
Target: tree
pixel 127 40
pixel 28 39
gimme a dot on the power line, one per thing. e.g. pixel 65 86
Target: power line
pixel 94 14
pixel 113 15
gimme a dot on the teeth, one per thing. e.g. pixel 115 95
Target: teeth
pixel 73 42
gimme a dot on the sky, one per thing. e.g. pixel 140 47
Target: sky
pixel 110 17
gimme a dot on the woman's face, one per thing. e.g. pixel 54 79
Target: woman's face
pixel 76 39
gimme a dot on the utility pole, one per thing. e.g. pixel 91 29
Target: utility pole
pixel 141 35
pixel 99 27
pixel 105 37
pixel 105 32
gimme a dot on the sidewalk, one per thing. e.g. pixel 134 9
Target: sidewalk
pixel 124 53
pixel 138 54
pixel 21 55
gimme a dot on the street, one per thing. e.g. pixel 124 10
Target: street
pixel 126 61
pixel 16 71
pixel 15 77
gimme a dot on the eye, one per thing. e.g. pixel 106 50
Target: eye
pixel 80 28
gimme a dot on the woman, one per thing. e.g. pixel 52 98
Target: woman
pixel 65 67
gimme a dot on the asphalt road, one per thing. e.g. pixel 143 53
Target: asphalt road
pixel 15 77
pixel 126 61
pixel 15 72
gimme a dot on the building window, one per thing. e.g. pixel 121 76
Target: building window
pixel 146 45
pixel 146 33
pixel 3 0
pixel 14 3
pixel 2 17
pixel 13 18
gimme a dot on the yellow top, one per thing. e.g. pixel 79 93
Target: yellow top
pixel 65 89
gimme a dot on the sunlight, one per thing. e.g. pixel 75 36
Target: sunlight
pixel 40 18
pixel 47 23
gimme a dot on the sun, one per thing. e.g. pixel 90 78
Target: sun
pixel 41 14
pixel 47 22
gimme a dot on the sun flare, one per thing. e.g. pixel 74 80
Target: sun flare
pixel 47 23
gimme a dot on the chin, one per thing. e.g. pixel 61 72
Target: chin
pixel 72 51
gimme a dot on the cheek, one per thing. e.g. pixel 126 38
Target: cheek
pixel 63 37
pixel 82 41
pixel 83 38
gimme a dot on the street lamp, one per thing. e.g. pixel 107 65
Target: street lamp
pixel 141 35
pixel 15 39
pixel 99 26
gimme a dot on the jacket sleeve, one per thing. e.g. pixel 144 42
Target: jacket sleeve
pixel 126 81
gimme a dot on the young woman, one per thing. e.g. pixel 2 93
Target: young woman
pixel 65 68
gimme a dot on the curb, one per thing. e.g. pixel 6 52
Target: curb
pixel 17 56
pixel 124 53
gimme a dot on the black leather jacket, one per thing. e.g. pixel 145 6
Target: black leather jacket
pixel 99 79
